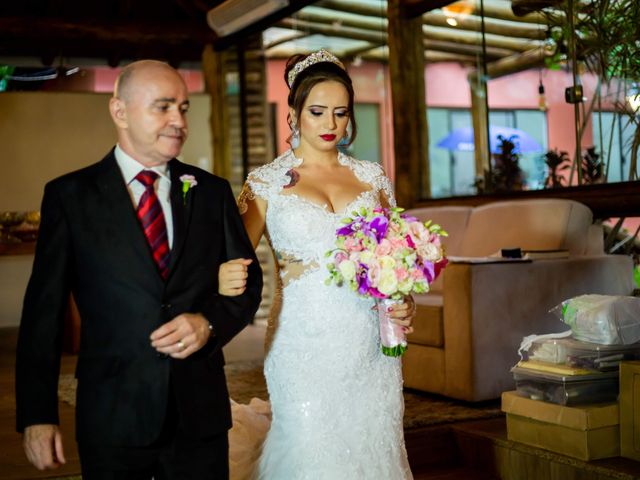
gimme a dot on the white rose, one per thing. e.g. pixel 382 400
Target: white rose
pixel 388 283
pixel 387 262
pixel 366 257
pixel 430 252
pixel 406 286
pixel 347 269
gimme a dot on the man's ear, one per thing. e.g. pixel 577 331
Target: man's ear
pixel 118 111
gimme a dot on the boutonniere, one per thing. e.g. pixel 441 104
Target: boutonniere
pixel 188 182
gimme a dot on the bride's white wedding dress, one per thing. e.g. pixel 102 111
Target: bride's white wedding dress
pixel 336 400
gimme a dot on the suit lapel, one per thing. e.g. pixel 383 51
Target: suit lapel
pixel 181 207
pixel 120 208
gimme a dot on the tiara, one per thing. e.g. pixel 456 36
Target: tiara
pixel 316 57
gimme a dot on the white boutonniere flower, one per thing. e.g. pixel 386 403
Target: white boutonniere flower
pixel 188 182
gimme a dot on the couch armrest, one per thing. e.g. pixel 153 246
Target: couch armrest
pixel 488 308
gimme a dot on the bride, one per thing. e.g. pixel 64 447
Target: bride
pixel 336 400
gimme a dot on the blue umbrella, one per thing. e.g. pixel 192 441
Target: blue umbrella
pixel 462 139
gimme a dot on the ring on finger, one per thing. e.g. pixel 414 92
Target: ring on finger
pixel 180 345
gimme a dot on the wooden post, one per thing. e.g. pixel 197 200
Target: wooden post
pixel 479 121
pixel 410 137
pixel 214 78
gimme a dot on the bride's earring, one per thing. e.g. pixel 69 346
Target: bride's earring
pixel 295 136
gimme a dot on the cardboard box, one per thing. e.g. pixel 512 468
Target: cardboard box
pixel 630 410
pixel 587 433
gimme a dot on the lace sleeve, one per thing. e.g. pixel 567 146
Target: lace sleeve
pixel 386 188
pixel 246 195
pixel 252 188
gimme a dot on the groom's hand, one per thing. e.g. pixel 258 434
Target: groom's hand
pixel 185 334
pixel 43 446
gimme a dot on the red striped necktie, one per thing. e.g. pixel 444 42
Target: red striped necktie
pixel 152 220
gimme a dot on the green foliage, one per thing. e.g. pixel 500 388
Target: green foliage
pixel 592 167
pixel 556 162
pixel 606 36
pixel 506 175
pixel 5 72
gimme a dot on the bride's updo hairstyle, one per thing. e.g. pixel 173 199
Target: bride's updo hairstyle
pixel 303 72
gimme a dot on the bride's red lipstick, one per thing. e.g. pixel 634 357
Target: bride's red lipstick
pixel 329 137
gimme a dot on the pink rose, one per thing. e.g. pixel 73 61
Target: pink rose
pixel 416 275
pixel 340 257
pixel 402 274
pixel 383 248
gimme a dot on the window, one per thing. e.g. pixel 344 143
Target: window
pixel 367 143
pixel 453 171
pixel 612 137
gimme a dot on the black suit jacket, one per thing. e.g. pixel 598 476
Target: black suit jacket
pixel 92 244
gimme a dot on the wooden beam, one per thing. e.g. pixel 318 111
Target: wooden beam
pixel 285 39
pixel 213 70
pixel 330 17
pixel 357 8
pixel 334 31
pixel 515 63
pixel 475 50
pixel 410 139
pixel 502 11
pixel 413 8
pixel 381 55
pixel 436 19
pixel 492 9
pixel 479 100
pixel 474 38
pixel 491 25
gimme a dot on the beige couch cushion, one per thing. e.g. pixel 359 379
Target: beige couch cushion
pixel 538 224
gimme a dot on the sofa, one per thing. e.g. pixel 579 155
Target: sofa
pixel 468 328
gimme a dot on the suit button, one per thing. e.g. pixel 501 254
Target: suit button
pixel 165 306
pixel 162 356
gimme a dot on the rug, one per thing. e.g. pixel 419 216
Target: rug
pixel 246 381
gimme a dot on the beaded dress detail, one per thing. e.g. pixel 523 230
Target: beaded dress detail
pixel 336 400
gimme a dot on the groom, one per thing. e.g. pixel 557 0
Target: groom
pixel 138 238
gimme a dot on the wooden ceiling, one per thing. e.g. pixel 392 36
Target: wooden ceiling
pixel 115 31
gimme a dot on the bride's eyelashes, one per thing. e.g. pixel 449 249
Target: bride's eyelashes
pixel 338 113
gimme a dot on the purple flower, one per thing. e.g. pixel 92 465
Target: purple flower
pixel 363 279
pixel 378 227
pixel 351 228
pixel 410 242
pixel 428 268
pixel 374 292
pixel 408 218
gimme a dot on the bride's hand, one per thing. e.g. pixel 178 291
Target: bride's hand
pixel 403 313
pixel 232 277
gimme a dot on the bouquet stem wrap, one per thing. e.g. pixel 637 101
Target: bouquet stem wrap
pixel 392 337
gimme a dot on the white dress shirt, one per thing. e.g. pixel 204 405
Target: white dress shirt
pixel 130 168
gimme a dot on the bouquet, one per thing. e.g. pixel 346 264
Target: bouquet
pixel 386 254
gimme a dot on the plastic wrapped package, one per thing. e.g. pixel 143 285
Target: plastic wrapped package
pixel 603 319
pixel 592 356
pixel 566 389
